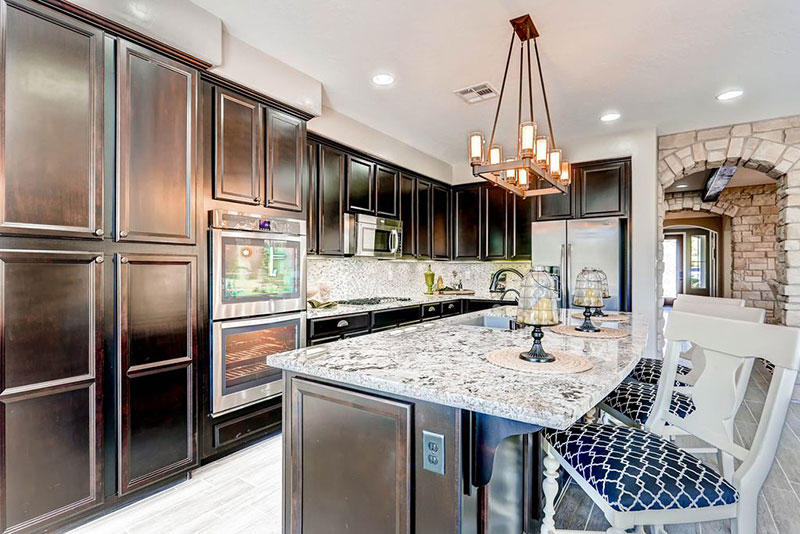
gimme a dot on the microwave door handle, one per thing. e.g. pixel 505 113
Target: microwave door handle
pixel 394 242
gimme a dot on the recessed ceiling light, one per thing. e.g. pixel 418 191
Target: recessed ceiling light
pixel 610 117
pixel 383 78
pixel 682 186
pixel 730 95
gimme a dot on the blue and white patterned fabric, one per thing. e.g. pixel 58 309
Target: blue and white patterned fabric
pixel 634 470
pixel 635 401
pixel 648 371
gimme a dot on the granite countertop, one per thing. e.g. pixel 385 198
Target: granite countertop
pixel 343 309
pixel 444 362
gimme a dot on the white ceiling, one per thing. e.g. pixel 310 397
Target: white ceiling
pixel 658 62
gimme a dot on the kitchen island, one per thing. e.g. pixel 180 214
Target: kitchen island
pixel 414 430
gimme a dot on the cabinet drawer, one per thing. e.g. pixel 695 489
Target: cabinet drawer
pixel 431 311
pixel 247 425
pixel 338 325
pixel 451 308
pixel 472 305
pixel 395 317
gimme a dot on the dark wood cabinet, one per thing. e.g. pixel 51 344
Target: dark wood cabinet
pixel 408 205
pixel 441 222
pixel 386 192
pixel 157 325
pixel 360 185
pixel 312 157
pixel 467 222
pixel 286 138
pixel 604 188
pixel 330 216
pixel 51 143
pixel 51 401
pixel 495 231
pixel 377 434
pixel 520 217
pixel 156 147
pixel 557 206
pixel 423 216
pixel 238 131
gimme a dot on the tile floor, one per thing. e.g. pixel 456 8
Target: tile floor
pixel 241 493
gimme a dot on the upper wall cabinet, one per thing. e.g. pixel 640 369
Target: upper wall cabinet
pixel 286 139
pixel 495 207
pixel 386 189
pixel 441 222
pixel 520 217
pixel 156 147
pixel 51 143
pixel 330 183
pixel 408 204
pixel 604 188
pixel 238 134
pixel 423 218
pixel 557 206
pixel 360 185
pixel 312 156
pixel 467 222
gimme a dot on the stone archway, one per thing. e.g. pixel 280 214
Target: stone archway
pixel 770 146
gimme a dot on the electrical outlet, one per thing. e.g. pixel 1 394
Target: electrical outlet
pixel 433 452
pixel 467 275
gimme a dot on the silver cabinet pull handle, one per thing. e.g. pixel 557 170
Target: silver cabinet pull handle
pixel 123 259
pixel 431 309
pixel 123 233
pixel 342 324
pixel 451 306
pixel 98 259
pixel 99 231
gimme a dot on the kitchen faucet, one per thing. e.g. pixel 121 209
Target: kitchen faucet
pixel 498 279
pixel 507 291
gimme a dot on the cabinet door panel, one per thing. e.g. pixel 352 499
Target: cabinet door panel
pixel 239 158
pixel 386 195
pixel 157 299
pixel 51 307
pixel 441 222
pixel 331 201
pixel 495 232
pixel 360 185
pixel 467 231
pixel 519 230
pixel 51 143
pixel 377 435
pixel 312 156
pixel 156 149
pixel 424 206
pixel 557 206
pixel 408 214
pixel 604 188
pixel 286 144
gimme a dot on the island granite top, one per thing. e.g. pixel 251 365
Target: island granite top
pixel 445 363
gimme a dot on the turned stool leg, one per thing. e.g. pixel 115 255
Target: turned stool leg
pixel 550 489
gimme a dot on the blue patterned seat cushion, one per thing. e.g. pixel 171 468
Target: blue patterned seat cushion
pixel 635 400
pixel 634 470
pixel 648 371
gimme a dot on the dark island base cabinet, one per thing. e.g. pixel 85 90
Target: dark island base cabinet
pixel 51 178
pixel 51 398
pixel 156 151
pixel 157 299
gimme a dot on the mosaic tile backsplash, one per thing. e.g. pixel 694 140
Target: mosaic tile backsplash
pixel 357 277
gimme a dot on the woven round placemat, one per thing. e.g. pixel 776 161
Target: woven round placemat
pixel 604 333
pixel 609 318
pixel 566 362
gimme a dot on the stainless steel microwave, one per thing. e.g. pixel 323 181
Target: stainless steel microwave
pixel 378 237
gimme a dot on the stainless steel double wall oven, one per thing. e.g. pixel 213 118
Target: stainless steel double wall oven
pixel 258 302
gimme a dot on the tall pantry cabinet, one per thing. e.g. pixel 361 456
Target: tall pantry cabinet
pixel 98 267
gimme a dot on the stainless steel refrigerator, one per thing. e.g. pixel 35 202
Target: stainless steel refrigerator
pixel 575 244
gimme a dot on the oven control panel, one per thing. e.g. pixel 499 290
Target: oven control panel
pixel 235 220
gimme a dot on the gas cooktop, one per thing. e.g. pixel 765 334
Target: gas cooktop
pixel 371 301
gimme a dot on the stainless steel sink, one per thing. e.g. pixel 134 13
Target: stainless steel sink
pixel 498 322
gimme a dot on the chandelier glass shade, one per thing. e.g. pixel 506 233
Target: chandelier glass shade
pixel 536 167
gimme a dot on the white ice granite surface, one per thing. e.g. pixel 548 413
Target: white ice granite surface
pixel 342 309
pixel 444 362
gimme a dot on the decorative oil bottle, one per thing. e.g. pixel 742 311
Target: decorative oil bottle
pixel 429 275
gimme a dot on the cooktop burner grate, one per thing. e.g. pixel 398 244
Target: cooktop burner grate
pixel 373 300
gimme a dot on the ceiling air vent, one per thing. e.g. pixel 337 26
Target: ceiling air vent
pixel 476 93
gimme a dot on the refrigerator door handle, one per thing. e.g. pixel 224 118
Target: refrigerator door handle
pixel 569 272
pixel 562 273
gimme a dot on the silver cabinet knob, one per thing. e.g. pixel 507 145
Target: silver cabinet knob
pixel 99 231
pixel 342 324
pixel 123 233
pixel 257 200
pixel 98 259
pixel 431 309
pixel 123 259
pixel 451 306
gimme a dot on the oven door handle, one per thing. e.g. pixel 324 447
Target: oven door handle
pixel 394 241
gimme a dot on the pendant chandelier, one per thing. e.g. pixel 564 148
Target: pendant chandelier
pixel 536 167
